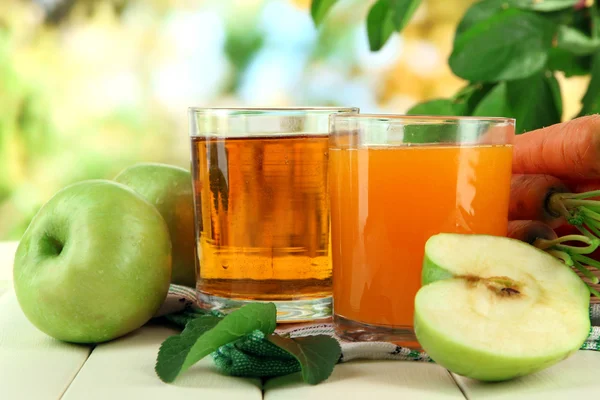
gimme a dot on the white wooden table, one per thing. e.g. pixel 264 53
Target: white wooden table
pixel 34 366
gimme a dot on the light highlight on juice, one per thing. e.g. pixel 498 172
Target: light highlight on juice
pixel 387 201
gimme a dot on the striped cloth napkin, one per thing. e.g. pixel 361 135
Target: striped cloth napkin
pixel 181 298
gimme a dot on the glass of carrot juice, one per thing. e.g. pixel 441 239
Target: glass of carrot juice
pixel 394 181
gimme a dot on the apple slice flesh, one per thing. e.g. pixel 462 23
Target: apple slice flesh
pixel 494 308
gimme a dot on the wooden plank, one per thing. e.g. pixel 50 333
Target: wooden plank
pixel 33 365
pixel 124 369
pixel 370 380
pixel 7 253
pixel 4 287
pixel 573 378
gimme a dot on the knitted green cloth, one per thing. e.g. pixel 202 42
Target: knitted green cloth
pixel 255 356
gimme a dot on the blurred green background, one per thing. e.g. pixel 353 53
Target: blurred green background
pixel 88 87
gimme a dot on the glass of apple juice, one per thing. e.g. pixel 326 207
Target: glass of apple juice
pixel 262 208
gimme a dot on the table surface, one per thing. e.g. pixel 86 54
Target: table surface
pixel 35 366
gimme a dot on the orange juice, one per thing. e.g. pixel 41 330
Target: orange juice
pixel 387 201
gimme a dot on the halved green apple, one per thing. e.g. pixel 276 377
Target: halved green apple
pixel 494 308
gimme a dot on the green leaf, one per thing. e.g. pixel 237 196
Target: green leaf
pixel 206 334
pixel 434 107
pixel 462 104
pixel 319 10
pixel 403 10
pixel 467 99
pixel 576 42
pixel 494 104
pixel 512 44
pixel 556 94
pixel 567 62
pixel 591 99
pixel 481 11
pixel 317 354
pixel 174 350
pixel 380 24
pixel 535 101
pixel 544 5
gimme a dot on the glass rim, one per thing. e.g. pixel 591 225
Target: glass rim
pixel 424 118
pixel 268 110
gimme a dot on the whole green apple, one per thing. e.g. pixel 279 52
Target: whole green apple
pixel 169 189
pixel 494 308
pixel 94 263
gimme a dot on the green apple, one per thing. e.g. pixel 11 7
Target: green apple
pixel 494 308
pixel 94 263
pixel 169 189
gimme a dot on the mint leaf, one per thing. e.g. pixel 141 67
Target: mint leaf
pixel 317 355
pixel 576 42
pixel 512 44
pixel 174 350
pixel 319 10
pixel 544 5
pixel 434 107
pixel 403 11
pixel 380 24
pixel 206 334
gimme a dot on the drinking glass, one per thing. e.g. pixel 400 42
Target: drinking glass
pixel 394 182
pixel 262 208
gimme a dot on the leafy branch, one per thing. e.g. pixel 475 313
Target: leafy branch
pixel 509 52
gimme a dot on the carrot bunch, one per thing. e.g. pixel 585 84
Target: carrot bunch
pixel 555 190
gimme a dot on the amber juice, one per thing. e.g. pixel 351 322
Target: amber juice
pixel 264 217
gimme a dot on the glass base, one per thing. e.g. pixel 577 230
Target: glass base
pixel 291 311
pixel 353 331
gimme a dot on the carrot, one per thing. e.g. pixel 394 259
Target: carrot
pixel 582 186
pixel 530 198
pixel 530 231
pixel 547 199
pixel 569 150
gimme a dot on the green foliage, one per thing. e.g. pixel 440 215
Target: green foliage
pixel 544 5
pixel 206 334
pixel 319 9
pixel 510 51
pixel 576 42
pixel 240 47
pixel 591 99
pixel 316 354
pixel 387 16
pixel 380 24
pixel 512 44
pixel 384 17
pixel 436 107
